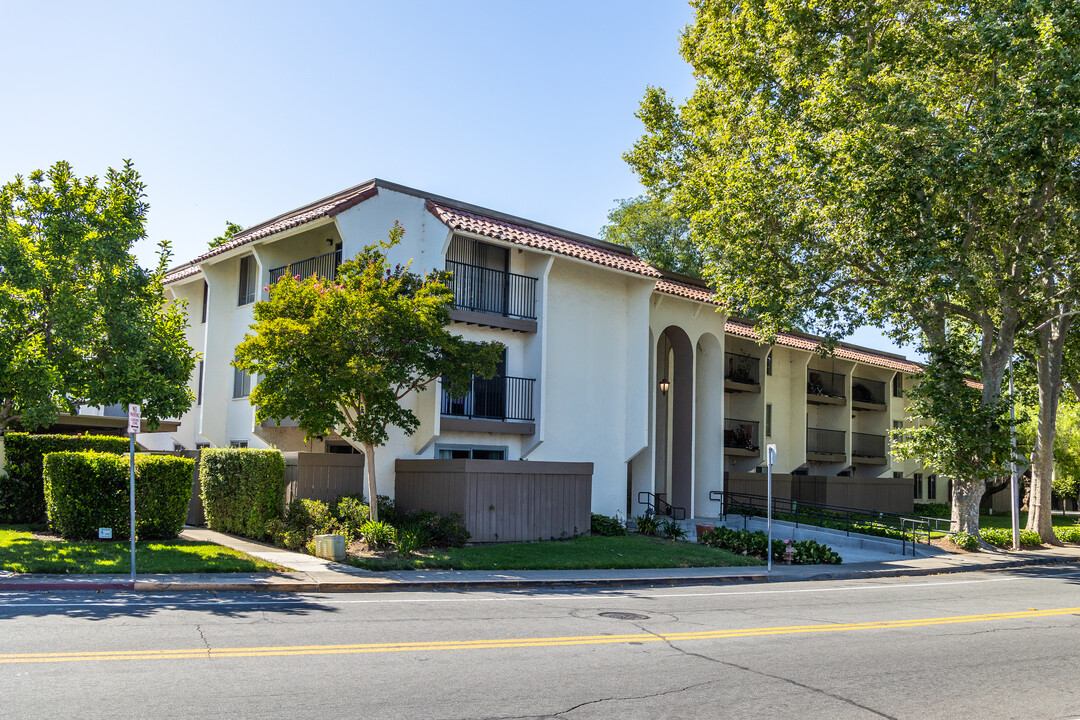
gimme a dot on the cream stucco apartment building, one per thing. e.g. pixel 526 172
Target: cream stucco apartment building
pixel 608 360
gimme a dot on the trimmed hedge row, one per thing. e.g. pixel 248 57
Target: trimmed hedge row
pixel 88 490
pixel 242 489
pixel 22 491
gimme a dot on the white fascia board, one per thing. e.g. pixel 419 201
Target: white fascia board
pixel 246 248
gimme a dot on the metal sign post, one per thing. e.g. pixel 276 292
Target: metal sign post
pixel 1014 489
pixel 770 459
pixel 134 420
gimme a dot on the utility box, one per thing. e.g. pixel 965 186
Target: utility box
pixel 330 547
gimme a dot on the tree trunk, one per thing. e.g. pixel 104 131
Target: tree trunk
pixel 1048 365
pixel 966 496
pixel 369 464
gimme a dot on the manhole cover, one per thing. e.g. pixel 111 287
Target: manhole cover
pixel 624 616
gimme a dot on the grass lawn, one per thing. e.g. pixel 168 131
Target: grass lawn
pixel 1003 520
pixel 21 552
pixel 590 552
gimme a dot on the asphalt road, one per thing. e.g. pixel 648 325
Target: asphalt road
pixel 985 645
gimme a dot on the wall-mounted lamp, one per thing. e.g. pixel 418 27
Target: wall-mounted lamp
pixel 664 385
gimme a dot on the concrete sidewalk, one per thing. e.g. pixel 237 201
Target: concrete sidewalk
pixel 305 573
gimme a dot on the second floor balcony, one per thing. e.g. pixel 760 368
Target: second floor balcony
pixel 826 445
pixel 868 449
pixel 483 291
pixel 501 399
pixel 741 437
pixel 324 266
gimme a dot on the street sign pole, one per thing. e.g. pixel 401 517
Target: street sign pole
pixel 134 419
pixel 1014 489
pixel 770 459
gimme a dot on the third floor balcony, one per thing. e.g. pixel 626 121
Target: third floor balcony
pixel 324 266
pixel 482 291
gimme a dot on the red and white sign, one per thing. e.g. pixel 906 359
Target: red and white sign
pixel 134 418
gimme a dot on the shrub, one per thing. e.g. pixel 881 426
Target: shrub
pixel 409 540
pixel 303 520
pixel 672 530
pixel 242 489
pixel 351 512
pixel 1069 534
pixel 438 530
pixel 1002 537
pixel 607 526
pixel 934 510
pixel 755 544
pixel 22 489
pixel 85 491
pixel 388 512
pixel 647 524
pixel 378 534
pixel 964 540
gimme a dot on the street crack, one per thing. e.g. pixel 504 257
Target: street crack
pixel 646 696
pixel 205 641
pixel 790 681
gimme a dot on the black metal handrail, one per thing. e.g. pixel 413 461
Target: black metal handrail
pixel 742 369
pixel 867 445
pixel 486 290
pixel 836 517
pixel 322 265
pixel 659 506
pixel 825 384
pixel 867 391
pixel 825 442
pixel 741 434
pixel 497 398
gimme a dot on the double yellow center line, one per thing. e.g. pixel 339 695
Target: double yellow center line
pixel 185 654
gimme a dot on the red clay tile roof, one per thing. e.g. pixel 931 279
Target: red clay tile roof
pixel 467 221
pixel 182 273
pixel 684 290
pixel 844 352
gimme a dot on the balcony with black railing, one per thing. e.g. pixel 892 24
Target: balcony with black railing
pixel 825 388
pixel 742 373
pixel 741 437
pixel 868 449
pixel 867 394
pixel 486 291
pixel 324 266
pixel 825 445
pixel 499 399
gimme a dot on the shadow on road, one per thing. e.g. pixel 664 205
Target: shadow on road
pixel 107 605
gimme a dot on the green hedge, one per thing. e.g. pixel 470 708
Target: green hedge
pixel 242 489
pixel 22 491
pixel 88 490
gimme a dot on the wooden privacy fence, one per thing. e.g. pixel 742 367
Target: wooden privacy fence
pixel 884 494
pixel 322 476
pixel 501 500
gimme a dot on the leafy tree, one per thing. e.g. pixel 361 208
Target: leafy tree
pixel 900 164
pixel 954 431
pixel 342 354
pixel 231 229
pixel 80 321
pixel 648 226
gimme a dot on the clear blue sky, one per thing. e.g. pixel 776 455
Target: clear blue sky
pixel 242 110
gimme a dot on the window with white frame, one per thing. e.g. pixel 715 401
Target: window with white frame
pixel 248 280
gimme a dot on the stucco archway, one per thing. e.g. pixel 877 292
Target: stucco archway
pixel 675 418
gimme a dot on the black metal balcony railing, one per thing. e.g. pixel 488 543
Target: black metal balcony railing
pixel 867 391
pixel 825 442
pixel 742 369
pixel 497 398
pixel 867 445
pixel 485 290
pixel 825 384
pixel 322 265
pixel 742 434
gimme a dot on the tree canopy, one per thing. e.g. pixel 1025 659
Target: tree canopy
pixel 902 164
pixel 648 226
pixel 340 355
pixel 80 321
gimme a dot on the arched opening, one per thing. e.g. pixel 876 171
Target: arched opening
pixel 674 418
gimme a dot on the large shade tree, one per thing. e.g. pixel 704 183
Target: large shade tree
pixel 80 321
pixel 901 163
pixel 341 355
